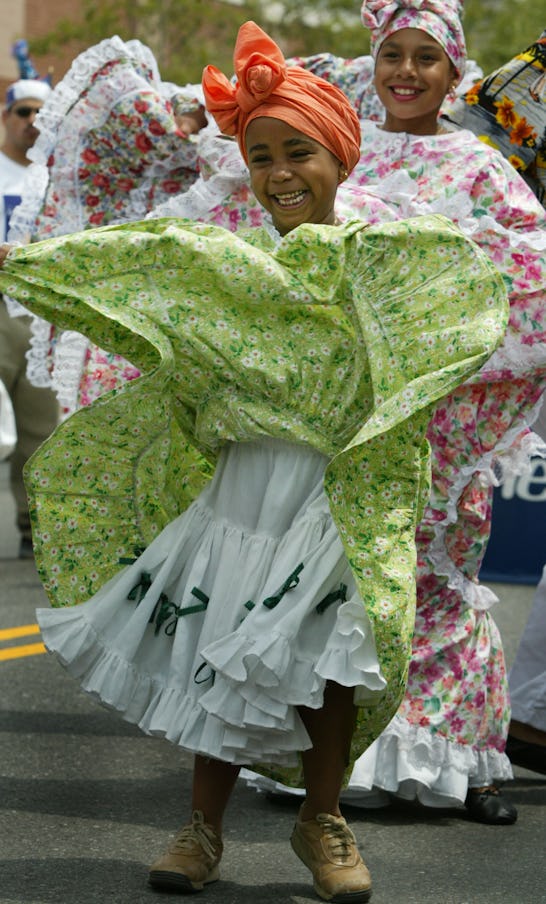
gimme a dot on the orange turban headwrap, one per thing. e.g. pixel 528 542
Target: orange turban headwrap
pixel 266 86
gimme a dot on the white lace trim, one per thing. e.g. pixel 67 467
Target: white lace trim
pixel 412 763
pixel 225 169
pixel 38 353
pixel 35 186
pixel 69 358
pixel 416 764
pixel 60 369
pixel 508 459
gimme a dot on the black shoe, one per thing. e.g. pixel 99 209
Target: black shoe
pixel 26 550
pixel 488 805
pixel 524 753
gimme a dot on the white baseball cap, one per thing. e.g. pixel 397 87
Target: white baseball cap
pixel 27 88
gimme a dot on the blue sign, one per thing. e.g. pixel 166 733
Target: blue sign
pixel 516 552
pixel 10 203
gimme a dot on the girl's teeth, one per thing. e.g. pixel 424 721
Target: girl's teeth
pixel 290 199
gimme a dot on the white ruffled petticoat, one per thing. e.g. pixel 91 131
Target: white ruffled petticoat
pixel 410 763
pixel 234 616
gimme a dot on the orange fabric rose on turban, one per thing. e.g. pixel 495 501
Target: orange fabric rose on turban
pixel 266 86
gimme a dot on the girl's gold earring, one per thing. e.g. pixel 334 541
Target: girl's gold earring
pixel 343 174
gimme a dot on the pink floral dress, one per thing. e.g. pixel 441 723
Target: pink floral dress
pixel 451 728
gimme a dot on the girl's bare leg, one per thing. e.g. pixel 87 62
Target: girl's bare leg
pixel 330 729
pixel 321 838
pixel 213 782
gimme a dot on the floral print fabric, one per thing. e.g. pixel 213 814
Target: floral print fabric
pixel 236 338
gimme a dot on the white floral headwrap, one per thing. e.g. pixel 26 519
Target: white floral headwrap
pixel 441 19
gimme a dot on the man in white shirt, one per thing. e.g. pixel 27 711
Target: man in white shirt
pixel 35 410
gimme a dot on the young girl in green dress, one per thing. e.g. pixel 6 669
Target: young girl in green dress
pixel 236 526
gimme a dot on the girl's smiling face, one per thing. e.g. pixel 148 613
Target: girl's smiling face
pixel 413 74
pixel 293 176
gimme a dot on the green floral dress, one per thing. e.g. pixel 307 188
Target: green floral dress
pixel 335 340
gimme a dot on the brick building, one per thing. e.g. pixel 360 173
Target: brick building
pixel 32 19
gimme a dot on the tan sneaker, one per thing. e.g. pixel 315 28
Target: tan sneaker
pixel 191 861
pixel 328 848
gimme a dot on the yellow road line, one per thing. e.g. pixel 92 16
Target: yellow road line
pixel 20 631
pixel 29 649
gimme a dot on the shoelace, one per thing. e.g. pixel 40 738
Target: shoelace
pixel 339 836
pixel 197 833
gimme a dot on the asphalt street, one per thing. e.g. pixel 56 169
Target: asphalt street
pixel 87 801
